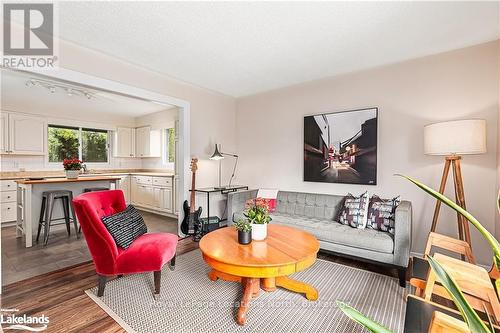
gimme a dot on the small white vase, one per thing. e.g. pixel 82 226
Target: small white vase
pixel 259 231
pixel 72 174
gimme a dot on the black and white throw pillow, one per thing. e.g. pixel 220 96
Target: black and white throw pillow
pixel 381 213
pixel 355 211
pixel 125 226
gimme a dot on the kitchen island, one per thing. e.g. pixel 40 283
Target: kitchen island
pixel 29 199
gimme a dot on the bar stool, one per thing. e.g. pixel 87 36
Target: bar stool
pixel 48 201
pixel 95 189
pixel 92 189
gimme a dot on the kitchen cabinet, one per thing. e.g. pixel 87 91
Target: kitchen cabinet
pixel 137 142
pixel 167 200
pixel 124 185
pixel 124 142
pixel 22 134
pixel 8 199
pixel 153 193
pixel 147 142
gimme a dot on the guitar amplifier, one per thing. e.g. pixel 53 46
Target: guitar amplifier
pixel 210 224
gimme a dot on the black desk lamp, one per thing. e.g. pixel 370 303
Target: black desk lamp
pixel 218 156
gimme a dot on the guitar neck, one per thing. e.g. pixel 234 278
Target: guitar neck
pixel 193 194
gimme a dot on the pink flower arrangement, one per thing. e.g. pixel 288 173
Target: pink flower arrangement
pixel 258 203
pixel 257 211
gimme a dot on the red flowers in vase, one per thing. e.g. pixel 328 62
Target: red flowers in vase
pixel 72 164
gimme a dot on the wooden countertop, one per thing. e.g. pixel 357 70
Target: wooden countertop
pixel 66 180
pixel 12 175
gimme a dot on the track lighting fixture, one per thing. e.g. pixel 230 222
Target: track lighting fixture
pixel 53 86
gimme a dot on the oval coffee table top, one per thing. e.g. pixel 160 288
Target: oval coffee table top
pixel 283 246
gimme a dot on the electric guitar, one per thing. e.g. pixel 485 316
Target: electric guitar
pixel 191 221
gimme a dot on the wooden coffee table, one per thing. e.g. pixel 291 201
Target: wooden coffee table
pixel 261 264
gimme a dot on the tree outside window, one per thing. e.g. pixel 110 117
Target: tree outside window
pixel 64 142
pixel 94 145
pixel 171 145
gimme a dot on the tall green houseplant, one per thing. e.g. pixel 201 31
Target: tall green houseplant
pixel 475 324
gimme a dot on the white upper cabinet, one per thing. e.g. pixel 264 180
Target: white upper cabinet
pixel 26 134
pixel 148 142
pixel 124 142
pixel 142 141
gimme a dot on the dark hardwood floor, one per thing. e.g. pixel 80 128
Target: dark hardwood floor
pixel 60 295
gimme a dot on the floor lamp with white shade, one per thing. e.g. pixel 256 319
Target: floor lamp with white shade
pixel 453 139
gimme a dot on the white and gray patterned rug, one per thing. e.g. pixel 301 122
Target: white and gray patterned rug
pixel 190 302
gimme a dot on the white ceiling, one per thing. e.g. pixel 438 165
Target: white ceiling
pixel 241 48
pixel 16 95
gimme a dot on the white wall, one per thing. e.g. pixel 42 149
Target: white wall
pixel 497 228
pixel 454 85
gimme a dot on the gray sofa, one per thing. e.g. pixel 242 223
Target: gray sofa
pixel 315 213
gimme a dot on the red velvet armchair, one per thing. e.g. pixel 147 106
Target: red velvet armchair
pixel 148 253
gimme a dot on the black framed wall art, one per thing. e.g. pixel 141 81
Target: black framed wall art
pixel 341 147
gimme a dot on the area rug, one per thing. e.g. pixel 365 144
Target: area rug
pixel 190 302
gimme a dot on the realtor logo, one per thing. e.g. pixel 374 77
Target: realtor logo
pixel 28 35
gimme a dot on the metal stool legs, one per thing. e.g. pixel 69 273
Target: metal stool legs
pixel 78 229
pixel 40 220
pixel 46 212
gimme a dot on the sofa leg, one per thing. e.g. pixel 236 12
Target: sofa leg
pixel 402 277
pixel 157 278
pixel 101 285
pixel 171 264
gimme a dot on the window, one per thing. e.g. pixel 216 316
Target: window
pixel 89 145
pixel 63 143
pixel 94 145
pixel 168 155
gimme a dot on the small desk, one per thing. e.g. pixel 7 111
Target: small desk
pixel 226 190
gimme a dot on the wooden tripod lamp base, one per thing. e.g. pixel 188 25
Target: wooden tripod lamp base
pixel 452 139
pixel 453 162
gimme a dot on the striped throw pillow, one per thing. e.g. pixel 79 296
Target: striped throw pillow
pixel 125 226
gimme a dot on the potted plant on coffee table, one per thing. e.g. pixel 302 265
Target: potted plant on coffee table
pixel 257 213
pixel 244 231
pixel 72 167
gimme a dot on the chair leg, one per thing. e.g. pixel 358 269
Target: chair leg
pixel 40 220
pixel 157 278
pixel 65 204
pixel 78 229
pixel 101 285
pixel 171 263
pixel 402 277
pixel 48 218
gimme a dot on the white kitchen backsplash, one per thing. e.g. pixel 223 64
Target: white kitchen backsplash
pixel 37 163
